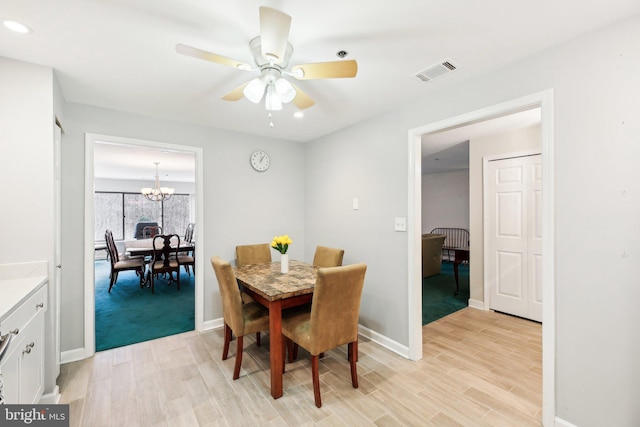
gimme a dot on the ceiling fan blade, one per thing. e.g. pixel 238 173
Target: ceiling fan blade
pixel 302 100
pixel 208 56
pixel 274 33
pixel 235 94
pixel 325 70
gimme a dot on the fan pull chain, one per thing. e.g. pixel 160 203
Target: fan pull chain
pixel 270 117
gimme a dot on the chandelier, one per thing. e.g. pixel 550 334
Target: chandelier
pixel 157 194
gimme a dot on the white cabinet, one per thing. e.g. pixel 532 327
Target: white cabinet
pixel 22 366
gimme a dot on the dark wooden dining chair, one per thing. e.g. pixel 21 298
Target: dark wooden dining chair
pixel 165 258
pixel 188 233
pixel 139 231
pixel 126 264
pixel 332 321
pixel 259 253
pixel 239 318
pixel 150 231
pixel 188 259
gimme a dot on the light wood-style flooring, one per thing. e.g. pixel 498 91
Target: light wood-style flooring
pixel 478 369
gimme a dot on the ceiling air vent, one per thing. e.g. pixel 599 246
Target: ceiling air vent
pixel 435 71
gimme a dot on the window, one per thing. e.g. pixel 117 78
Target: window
pixel 120 212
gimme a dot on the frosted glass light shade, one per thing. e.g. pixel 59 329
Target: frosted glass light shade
pixel 254 90
pixel 285 90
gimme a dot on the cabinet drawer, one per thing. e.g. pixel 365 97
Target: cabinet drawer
pixel 25 312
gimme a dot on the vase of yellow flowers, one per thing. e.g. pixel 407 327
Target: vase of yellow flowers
pixel 281 244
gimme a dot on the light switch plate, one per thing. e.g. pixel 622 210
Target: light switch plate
pixel 401 224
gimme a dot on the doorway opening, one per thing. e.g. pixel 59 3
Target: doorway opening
pixel 191 208
pixel 544 101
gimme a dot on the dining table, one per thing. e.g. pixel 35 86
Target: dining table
pixel 277 291
pixel 144 247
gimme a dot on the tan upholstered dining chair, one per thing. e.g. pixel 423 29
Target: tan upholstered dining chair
pixel 328 257
pixel 239 319
pixel 332 321
pixel 323 257
pixel 253 254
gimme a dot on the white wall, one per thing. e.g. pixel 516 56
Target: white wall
pixel 445 200
pixel 596 104
pixel 26 161
pixel 26 168
pixel 241 206
pixel 498 144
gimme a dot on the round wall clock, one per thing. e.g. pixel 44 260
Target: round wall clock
pixel 260 160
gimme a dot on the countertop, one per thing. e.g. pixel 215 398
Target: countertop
pixel 13 292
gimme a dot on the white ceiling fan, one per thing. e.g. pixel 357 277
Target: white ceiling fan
pixel 271 52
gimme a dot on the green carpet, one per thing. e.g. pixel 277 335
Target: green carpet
pixel 438 299
pixel 129 314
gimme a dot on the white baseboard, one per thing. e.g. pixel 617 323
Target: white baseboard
pixel 52 398
pixel 362 330
pixel 559 422
pixel 474 303
pixel 72 355
pixel 212 324
pixel 384 341
pixel 79 353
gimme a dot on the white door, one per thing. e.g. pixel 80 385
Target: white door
pixel 514 236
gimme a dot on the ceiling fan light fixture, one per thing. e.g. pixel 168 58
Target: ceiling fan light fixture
pixel 271 52
pixel 272 101
pixel 254 90
pixel 285 90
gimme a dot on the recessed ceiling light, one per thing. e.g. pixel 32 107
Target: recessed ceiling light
pixel 17 27
pixel 298 114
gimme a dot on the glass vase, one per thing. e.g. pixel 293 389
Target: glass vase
pixel 284 263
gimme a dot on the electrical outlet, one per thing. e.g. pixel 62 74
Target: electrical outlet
pixel 401 224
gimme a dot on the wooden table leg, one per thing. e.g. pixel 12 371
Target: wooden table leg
pixel 275 347
pixel 460 255
pixel 455 274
